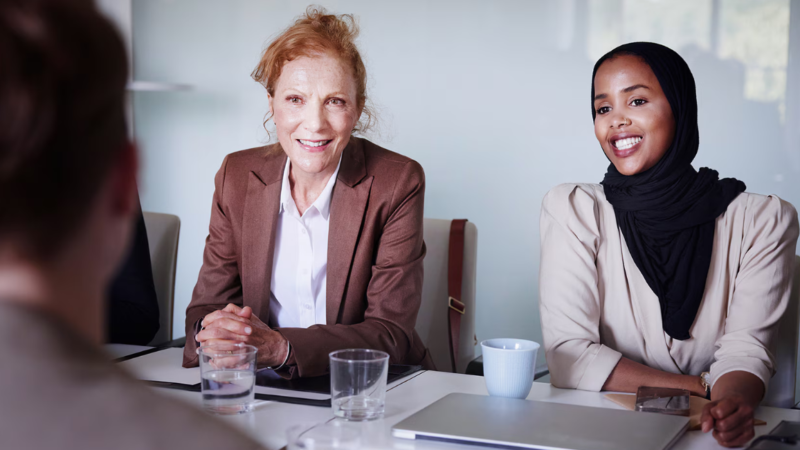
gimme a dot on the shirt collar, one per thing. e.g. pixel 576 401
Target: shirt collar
pixel 322 203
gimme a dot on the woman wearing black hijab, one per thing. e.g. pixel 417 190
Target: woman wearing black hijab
pixel 663 275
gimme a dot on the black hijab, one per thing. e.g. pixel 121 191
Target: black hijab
pixel 667 213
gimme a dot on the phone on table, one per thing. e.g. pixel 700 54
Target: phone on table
pixel 663 400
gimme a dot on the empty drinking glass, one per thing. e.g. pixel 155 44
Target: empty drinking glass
pixel 228 375
pixel 358 383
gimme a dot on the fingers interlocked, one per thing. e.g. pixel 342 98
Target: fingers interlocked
pixel 225 325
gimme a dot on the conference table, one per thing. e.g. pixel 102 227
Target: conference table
pixel 268 421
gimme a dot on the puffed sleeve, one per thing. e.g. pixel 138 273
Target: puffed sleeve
pixel 569 299
pixel 761 290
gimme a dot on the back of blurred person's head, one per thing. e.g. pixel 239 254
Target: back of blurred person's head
pixel 67 171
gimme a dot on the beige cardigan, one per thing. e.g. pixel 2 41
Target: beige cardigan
pixel 597 307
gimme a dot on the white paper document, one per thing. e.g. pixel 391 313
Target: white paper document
pixel 163 365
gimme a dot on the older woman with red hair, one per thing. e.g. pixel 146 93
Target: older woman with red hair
pixel 315 242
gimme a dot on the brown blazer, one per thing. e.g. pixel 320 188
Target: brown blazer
pixel 375 252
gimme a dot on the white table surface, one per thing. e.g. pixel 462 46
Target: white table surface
pixel 269 421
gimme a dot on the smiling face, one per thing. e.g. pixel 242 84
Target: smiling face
pixel 634 122
pixel 315 109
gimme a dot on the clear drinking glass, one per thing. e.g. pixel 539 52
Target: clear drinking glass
pixel 322 436
pixel 228 376
pixel 358 383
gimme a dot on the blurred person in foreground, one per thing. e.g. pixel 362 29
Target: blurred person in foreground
pixel 663 275
pixel 315 242
pixel 67 187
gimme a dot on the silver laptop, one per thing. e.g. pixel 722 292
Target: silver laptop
pixel 511 423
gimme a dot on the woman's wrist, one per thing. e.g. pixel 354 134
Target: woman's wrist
pixel 283 357
pixel 742 386
pixel 694 384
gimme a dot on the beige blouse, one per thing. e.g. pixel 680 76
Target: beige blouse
pixel 597 307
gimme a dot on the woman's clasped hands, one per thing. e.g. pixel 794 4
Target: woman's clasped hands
pixel 233 324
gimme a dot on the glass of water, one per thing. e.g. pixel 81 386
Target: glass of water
pixel 358 383
pixel 228 376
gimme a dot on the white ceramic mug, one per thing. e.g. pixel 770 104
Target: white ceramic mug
pixel 509 366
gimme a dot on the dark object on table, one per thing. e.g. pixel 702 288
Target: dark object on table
pixel 326 403
pixel 180 342
pixel 475 367
pixel 132 304
pixel 663 400
pixel 785 435
pixel 269 378
pixel 322 384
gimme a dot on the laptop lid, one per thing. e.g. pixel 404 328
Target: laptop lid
pixel 512 423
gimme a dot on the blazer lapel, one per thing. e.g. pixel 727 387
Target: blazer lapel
pixel 348 204
pixel 259 223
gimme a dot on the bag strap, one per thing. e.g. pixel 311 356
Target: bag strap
pixel 455 275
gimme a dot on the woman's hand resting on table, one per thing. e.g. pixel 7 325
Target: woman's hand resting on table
pixel 734 397
pixel 732 420
pixel 730 414
pixel 234 324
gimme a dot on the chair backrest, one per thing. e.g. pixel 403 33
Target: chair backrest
pixel 782 386
pixel 432 319
pixel 162 235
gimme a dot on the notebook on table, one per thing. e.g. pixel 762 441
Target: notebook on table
pixel 162 368
pixel 512 423
pixel 313 391
pixel 322 384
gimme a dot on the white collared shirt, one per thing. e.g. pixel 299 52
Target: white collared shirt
pixel 300 261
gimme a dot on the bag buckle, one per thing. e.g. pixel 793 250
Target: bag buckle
pixel 456 305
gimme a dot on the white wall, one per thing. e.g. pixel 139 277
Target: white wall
pixel 492 98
